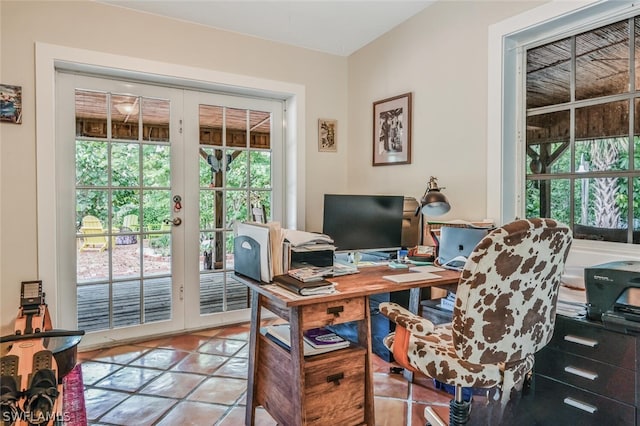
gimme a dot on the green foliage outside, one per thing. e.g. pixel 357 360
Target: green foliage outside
pixel 121 165
pixel 561 188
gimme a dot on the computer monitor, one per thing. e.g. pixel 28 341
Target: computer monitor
pixel 364 223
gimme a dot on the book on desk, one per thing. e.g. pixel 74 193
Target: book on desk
pixel 315 342
pixel 309 288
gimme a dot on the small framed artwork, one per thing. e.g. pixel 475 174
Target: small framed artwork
pixel 327 135
pixel 392 131
pixel 11 104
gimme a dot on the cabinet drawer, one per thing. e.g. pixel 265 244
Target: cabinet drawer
pixel 334 389
pixel 329 313
pixel 605 379
pixel 560 403
pixel 594 341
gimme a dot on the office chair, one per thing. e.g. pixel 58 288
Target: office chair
pixel 504 312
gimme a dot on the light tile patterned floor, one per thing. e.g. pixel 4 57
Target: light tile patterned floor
pixel 200 378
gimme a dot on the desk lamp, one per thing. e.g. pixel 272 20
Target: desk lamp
pixel 433 202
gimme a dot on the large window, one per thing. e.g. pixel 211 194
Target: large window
pixel 583 132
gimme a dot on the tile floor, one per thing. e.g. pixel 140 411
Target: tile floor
pixel 200 378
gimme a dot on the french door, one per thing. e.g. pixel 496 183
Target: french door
pixel 154 178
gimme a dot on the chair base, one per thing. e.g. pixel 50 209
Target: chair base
pixel 458 414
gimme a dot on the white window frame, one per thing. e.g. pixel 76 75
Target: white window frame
pixel 50 58
pixel 506 111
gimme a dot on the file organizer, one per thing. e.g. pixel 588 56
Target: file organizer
pixel 246 257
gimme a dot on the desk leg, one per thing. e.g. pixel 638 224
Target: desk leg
pixel 297 361
pixel 364 339
pixel 256 308
pixel 414 307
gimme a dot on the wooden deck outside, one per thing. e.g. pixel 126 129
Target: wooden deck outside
pixel 93 301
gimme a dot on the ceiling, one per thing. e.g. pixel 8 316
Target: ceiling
pixel 339 27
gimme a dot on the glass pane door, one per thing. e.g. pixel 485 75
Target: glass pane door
pixel 237 145
pixel 123 197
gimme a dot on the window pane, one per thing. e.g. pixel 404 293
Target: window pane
pixel 548 74
pixel 155 118
pixel 91 114
pixel 602 154
pixel 91 163
pixel 260 130
pixel 157 208
pixel 237 209
pixel 548 143
pixel 602 61
pixel 157 299
pixel 93 203
pixel 211 125
pixel 237 169
pixel 549 199
pixel 126 302
pixel 93 307
pixel 601 202
pixel 156 162
pixel 125 116
pixel 207 210
pixel 125 164
pixel 604 120
pixel 636 210
pixel 236 120
pixel 211 293
pixel 260 170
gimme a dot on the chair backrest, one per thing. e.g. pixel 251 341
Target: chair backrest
pixel 130 221
pixel 91 222
pixel 506 298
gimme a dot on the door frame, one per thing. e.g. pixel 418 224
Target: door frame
pixel 51 58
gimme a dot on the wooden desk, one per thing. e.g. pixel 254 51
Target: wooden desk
pixel 331 388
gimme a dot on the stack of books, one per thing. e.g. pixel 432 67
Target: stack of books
pixel 315 341
pixel 309 288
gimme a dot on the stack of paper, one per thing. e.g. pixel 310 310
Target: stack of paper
pixel 308 241
pixel 572 302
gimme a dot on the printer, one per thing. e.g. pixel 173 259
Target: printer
pixel 613 294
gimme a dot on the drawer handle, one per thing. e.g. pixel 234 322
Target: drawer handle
pixel 335 378
pixel 335 310
pixel 580 405
pixel 581 341
pixel 580 372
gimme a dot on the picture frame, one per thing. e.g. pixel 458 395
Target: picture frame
pixel 327 135
pixel 392 131
pixel 10 104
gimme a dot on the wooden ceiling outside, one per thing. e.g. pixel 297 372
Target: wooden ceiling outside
pixel 602 60
pixel 93 105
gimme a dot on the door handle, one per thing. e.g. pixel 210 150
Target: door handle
pixel 175 222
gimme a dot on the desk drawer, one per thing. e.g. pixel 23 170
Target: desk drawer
pixel 563 404
pixel 593 341
pixel 334 389
pixel 605 379
pixel 329 313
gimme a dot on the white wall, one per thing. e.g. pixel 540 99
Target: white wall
pixel 440 55
pixel 102 28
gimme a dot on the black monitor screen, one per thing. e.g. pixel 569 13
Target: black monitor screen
pixel 363 222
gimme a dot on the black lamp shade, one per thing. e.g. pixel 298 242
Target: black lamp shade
pixel 433 202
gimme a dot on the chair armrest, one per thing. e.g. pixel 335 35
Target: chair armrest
pixel 415 324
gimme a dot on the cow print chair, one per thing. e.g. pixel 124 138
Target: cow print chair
pixel 504 312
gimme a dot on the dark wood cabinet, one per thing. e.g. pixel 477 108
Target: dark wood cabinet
pixel 587 375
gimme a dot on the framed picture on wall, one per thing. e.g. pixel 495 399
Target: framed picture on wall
pixel 327 135
pixel 392 131
pixel 11 104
